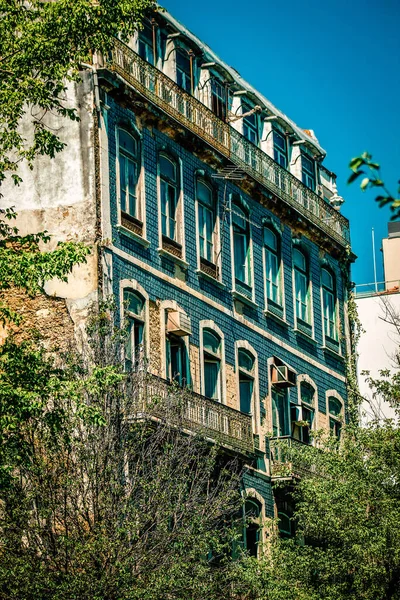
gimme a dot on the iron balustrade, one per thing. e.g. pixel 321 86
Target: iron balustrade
pixel 284 460
pixel 158 398
pixel 195 116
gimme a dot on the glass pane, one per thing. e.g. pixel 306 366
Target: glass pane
pixel 134 303
pixel 239 244
pixel 270 239
pixel 122 181
pixel 307 164
pixel 299 260
pixel 167 168
pixel 183 61
pixel 211 379
pixel 279 141
pixel 211 342
pixel 335 406
pixel 327 279
pixel 307 393
pixel 204 194
pixel 127 142
pixel 246 360
pixel 246 393
pixel 280 411
pixel 239 218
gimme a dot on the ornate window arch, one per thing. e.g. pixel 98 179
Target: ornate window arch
pixel 248 381
pixel 212 361
pixel 335 411
pixel 134 302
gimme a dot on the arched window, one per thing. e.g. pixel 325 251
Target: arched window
pixel 134 312
pixel 212 357
pixel 246 380
pixel 304 414
pixel 335 408
pixel 301 285
pixel 241 245
pixel 272 266
pixel 329 305
pixel 128 161
pixel 252 513
pixel 280 412
pixel 169 191
pixel 280 149
pixel 206 221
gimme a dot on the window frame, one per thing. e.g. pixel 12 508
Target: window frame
pixel 130 285
pixel 330 320
pixel 238 232
pixel 305 380
pixel 270 253
pixel 247 126
pixel 210 326
pixel 185 76
pixel 277 150
pixel 204 263
pixel 308 175
pixel 245 347
pixel 302 274
pixel 148 43
pixel 335 421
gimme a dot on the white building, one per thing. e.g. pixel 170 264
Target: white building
pixel 379 312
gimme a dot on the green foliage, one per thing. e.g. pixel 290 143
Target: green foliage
pixel 95 503
pixel 346 513
pixel 363 165
pixel 42 45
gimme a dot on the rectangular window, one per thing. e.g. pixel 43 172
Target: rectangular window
pixel 280 149
pixel 272 277
pixel 206 219
pixel 280 413
pixel 308 172
pixel 134 343
pixel 250 125
pixel 145 44
pixel 183 71
pixel 301 285
pixel 168 209
pixel 218 98
pixel 211 379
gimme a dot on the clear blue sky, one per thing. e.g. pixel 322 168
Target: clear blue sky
pixel 331 66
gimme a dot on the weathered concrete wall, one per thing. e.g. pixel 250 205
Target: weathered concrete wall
pixel 59 195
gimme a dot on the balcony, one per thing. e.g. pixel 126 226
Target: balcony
pixel 196 117
pixel 286 460
pixel 158 399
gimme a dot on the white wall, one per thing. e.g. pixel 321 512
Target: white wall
pixel 376 349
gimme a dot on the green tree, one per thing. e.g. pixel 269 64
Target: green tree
pixel 363 165
pixel 42 45
pixel 98 500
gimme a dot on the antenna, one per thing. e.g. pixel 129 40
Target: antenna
pixel 374 259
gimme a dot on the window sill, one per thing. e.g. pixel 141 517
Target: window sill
pixel 305 335
pixel 237 296
pixel 179 261
pixel 134 236
pixel 272 315
pixel 210 278
pixel 333 352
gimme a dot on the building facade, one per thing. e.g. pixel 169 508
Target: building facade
pixel 378 306
pixel 217 230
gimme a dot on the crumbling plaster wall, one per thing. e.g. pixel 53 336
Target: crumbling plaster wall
pixel 59 195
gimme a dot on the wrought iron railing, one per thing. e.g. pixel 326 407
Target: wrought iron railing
pixel 286 459
pixel 157 398
pixel 195 116
pixel 377 288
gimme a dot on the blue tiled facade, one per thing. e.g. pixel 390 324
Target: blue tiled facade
pixel 246 328
pixel 161 117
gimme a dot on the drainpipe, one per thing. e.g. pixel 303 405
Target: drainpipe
pixel 95 85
